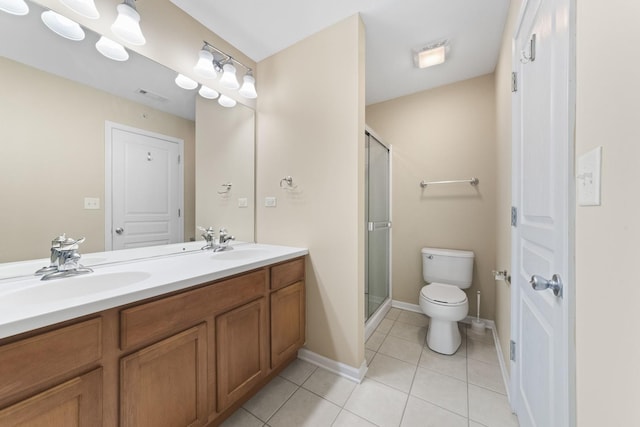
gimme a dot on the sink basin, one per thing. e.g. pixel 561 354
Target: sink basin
pixel 240 254
pixel 43 292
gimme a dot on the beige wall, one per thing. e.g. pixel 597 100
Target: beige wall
pixel 54 157
pixel 503 180
pixel 608 236
pixel 310 125
pixel 442 134
pixel 225 153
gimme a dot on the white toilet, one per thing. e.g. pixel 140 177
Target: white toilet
pixel 447 271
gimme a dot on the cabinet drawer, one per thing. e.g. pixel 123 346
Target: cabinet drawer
pixel 157 319
pixel 287 273
pixel 26 364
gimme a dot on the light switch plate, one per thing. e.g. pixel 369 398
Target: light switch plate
pixel 243 202
pixel 588 177
pixel 92 203
pixel 270 202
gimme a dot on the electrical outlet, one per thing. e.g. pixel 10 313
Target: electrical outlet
pixel 91 203
pixel 588 178
pixel 270 202
pixel 243 202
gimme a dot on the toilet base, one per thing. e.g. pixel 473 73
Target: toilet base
pixel 443 336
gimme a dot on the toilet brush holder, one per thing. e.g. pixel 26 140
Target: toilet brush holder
pixel 477 325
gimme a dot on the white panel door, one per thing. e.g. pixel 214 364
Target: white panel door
pixel 541 325
pixel 146 189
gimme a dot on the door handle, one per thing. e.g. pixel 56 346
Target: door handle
pixel 378 225
pixel 539 283
pixel 119 230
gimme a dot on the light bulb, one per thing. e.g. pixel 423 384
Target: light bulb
pixel 204 66
pixel 111 49
pixel 62 26
pixel 207 92
pixel 185 82
pixel 228 78
pixel 14 7
pixel 86 8
pixel 127 25
pixel 248 89
pixel 227 102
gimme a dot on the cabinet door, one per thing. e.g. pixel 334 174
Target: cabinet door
pixel 241 349
pixel 287 322
pixel 77 402
pixel 164 385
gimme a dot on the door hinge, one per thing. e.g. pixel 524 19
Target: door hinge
pixel 514 216
pixel 179 213
pixel 512 350
pixel 514 81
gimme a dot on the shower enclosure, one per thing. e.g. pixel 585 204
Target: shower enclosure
pixel 378 223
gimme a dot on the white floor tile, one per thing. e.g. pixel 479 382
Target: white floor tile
pixel 305 409
pixel 392 372
pixel 419 413
pixel 490 408
pixel 384 326
pixel 393 313
pixel 409 332
pixel 268 400
pixel 347 419
pixel 417 319
pixel 368 355
pixel 377 403
pixel 475 424
pixel 486 336
pixel 441 390
pixel 298 371
pixel 453 366
pixel 408 351
pixel 330 386
pixel 375 341
pixel 487 375
pixel 479 350
pixel 242 418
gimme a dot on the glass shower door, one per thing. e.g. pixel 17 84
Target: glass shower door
pixel 378 210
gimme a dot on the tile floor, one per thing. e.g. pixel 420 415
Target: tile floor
pixel 406 385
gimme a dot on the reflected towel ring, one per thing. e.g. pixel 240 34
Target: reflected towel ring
pixel 227 188
pixel 288 183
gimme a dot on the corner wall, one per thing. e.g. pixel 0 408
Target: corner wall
pixel 445 133
pixel 310 125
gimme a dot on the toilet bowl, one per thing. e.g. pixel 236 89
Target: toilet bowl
pixel 447 271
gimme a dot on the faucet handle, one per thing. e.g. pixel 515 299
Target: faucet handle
pixel 70 244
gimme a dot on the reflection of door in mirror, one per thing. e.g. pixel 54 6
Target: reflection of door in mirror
pixel 144 188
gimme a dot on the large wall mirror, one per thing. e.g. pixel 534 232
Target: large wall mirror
pixel 57 96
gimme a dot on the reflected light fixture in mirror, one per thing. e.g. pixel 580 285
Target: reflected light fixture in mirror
pixel 204 67
pixel 111 49
pixel 14 7
pixel 185 82
pixel 62 26
pixel 248 89
pixel 227 102
pixel 86 8
pixel 228 78
pixel 127 24
pixel 207 92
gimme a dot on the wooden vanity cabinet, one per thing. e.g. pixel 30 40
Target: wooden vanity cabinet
pixel 187 359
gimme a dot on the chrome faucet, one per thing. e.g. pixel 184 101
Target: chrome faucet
pixel 224 239
pixel 65 259
pixel 209 235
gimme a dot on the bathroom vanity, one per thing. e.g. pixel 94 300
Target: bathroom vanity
pixel 184 345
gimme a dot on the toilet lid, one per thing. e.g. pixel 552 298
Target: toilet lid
pixel 444 294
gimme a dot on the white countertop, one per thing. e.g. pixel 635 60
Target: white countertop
pixel 29 303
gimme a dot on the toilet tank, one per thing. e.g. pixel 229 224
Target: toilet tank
pixel 448 266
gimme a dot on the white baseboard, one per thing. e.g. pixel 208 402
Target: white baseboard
pixel 406 306
pixel 373 322
pixel 349 372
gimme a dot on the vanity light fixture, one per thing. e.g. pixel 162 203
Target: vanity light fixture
pixel 86 8
pixel 433 54
pixel 127 24
pixel 227 102
pixel 111 49
pixel 228 78
pixel 248 89
pixel 204 67
pixel 14 7
pixel 62 26
pixel 207 92
pixel 185 82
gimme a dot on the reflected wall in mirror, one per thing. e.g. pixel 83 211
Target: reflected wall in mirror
pixel 57 95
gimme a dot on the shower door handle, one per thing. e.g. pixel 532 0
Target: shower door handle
pixel 371 225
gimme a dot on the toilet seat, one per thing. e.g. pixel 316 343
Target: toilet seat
pixel 441 294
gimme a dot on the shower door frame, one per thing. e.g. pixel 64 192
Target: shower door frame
pixel 376 317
